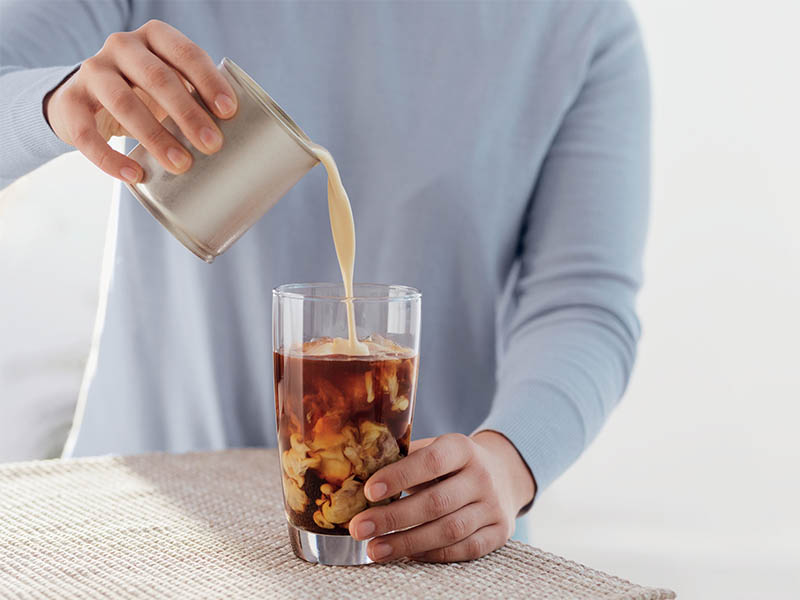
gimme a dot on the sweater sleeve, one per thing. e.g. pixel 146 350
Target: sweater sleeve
pixel 570 336
pixel 41 43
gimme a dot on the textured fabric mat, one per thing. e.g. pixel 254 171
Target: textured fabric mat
pixel 211 525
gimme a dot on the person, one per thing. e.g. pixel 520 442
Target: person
pixel 497 158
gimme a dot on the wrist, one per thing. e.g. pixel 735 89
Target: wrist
pixel 521 484
pixel 47 101
pixel 48 105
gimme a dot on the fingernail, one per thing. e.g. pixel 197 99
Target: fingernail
pixel 177 157
pixel 211 139
pixel 365 529
pixel 376 491
pixel 380 551
pixel 129 175
pixel 224 104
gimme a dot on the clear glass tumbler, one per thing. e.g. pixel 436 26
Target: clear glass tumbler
pixel 340 418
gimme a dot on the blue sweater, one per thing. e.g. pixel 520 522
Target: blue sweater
pixel 497 158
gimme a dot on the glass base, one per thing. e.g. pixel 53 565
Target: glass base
pixel 339 550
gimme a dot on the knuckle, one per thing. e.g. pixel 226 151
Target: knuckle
pixel 157 136
pixel 81 135
pixel 437 504
pixel 444 554
pixel 90 66
pixel 71 95
pixel 105 160
pixel 458 438
pixel 122 101
pixel 187 52
pixel 209 80
pixel 157 76
pixel 406 545
pixel 455 529
pixel 390 520
pixel 435 460
pixel 191 113
pixel 476 547
pixel 463 442
pixel 402 478
pixel 151 25
pixel 116 41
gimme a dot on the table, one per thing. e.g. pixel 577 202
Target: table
pixel 211 525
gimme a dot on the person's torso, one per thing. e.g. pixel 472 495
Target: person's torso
pixel 439 116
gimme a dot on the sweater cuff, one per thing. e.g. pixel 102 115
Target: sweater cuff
pixel 28 140
pixel 544 426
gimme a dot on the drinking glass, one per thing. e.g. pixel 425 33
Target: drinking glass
pixel 340 417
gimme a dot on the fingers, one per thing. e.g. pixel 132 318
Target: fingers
pixel 92 145
pixel 194 64
pixel 164 86
pixel 420 444
pixel 125 106
pixel 480 543
pixel 428 505
pixel 128 86
pixel 446 454
pixel 445 532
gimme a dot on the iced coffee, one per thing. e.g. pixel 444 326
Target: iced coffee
pixel 340 419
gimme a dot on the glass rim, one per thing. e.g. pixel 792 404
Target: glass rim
pixel 407 293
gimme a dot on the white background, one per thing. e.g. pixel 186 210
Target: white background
pixel 695 482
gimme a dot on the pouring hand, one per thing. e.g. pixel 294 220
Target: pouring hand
pixel 128 87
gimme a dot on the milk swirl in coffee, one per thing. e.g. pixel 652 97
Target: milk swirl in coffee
pixel 340 419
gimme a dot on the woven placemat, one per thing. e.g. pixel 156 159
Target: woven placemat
pixel 211 525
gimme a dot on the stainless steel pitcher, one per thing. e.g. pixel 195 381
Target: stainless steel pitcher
pixel 209 207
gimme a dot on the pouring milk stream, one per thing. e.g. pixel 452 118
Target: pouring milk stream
pixel 344 238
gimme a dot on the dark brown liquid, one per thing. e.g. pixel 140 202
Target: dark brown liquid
pixel 340 418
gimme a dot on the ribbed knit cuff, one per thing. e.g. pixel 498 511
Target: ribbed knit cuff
pixel 542 423
pixel 27 140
